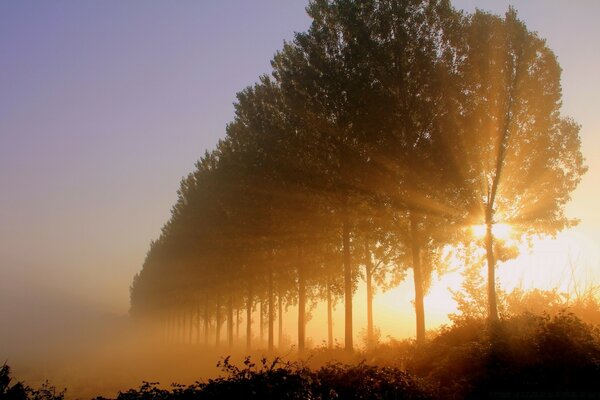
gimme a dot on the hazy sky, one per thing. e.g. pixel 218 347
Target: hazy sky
pixel 105 105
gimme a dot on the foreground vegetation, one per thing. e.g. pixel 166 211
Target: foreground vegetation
pixel 20 391
pixel 468 360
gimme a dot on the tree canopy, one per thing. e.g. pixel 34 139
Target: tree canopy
pixel 382 133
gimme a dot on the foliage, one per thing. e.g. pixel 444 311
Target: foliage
pixel 20 391
pixel 382 132
pixel 471 299
pixel 523 353
pixel 472 303
pixel 285 380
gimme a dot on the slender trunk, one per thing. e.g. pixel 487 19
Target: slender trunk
pixel 418 277
pixel 230 321
pixel 173 329
pixel 218 322
pixel 369 279
pixel 198 323
pixel 348 340
pixel 168 328
pixel 206 321
pixel 249 319
pixel 169 322
pixel 301 307
pixel 280 320
pixel 237 325
pixel 271 310
pixel 191 329
pixel 491 264
pixel 179 328
pixel 183 326
pixel 189 320
pixel 329 317
pixel 261 322
pixel 491 199
pixel 165 331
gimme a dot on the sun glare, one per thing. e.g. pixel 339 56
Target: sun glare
pixel 500 231
pixel 569 263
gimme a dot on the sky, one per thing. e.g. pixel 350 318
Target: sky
pixel 106 105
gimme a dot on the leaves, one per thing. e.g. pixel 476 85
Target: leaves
pixel 393 124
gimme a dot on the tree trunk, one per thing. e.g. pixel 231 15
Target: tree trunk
pixel 271 310
pixel 198 323
pixel 182 328
pixel 348 339
pixel 301 308
pixel 249 319
pixel 418 277
pixel 280 320
pixel 329 317
pixel 237 325
pixel 165 329
pixel 230 321
pixel 179 328
pixel 168 328
pixel 184 324
pixel 369 282
pixel 489 207
pixel 191 325
pixel 261 321
pixel 218 323
pixel 491 264
pixel 206 322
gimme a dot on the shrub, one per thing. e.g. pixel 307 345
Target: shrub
pixel 286 380
pixel 523 353
pixel 20 391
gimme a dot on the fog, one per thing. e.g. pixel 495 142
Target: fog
pixel 48 336
pixel 101 114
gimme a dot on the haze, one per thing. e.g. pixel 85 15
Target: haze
pixel 104 106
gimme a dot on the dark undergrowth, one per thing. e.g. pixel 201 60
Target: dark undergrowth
pixel 279 380
pixel 523 354
pixel 519 356
pixel 20 391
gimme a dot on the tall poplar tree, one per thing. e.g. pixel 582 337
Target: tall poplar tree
pixel 519 157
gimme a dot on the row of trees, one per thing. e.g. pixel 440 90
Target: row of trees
pixel 382 134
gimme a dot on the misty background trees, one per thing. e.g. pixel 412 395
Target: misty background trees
pixel 383 133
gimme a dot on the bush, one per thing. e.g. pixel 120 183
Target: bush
pixel 286 380
pixel 20 391
pixel 523 353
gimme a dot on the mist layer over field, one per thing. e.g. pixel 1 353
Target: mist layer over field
pixel 402 172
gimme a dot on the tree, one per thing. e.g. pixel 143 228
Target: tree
pixel 520 158
pixel 384 129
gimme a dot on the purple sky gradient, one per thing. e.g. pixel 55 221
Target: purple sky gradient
pixel 105 105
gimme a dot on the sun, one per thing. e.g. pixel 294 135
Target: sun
pixel 500 230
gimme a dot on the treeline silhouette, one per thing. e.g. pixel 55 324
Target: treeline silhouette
pixel 383 133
